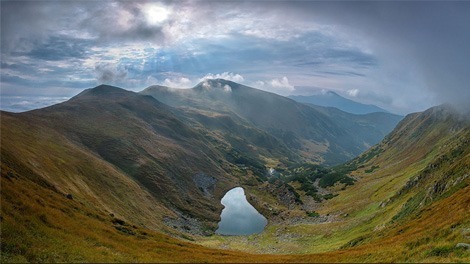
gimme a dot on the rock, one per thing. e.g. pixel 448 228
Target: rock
pixel 187 224
pixel 205 183
pixel 118 221
pixel 463 245
pixel 466 232
pixel 10 175
pixel 285 194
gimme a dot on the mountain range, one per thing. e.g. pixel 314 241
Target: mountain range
pixel 317 134
pixel 113 175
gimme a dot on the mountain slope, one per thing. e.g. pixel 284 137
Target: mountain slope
pixel 332 99
pixel 372 127
pixel 98 178
pixel 415 186
pixel 410 201
pixel 107 137
pixel 307 131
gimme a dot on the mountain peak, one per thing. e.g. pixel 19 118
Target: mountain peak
pixel 445 111
pixel 329 93
pixel 103 90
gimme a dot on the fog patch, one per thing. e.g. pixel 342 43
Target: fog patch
pixel 17 104
pixel 107 73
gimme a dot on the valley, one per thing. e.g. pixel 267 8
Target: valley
pixel 384 206
pixel 114 175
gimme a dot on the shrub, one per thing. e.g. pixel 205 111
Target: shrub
pixel 441 251
pixel 313 214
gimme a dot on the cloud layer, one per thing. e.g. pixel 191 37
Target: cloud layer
pixel 403 56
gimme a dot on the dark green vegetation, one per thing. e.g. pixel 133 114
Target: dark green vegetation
pixel 310 177
pixel 112 175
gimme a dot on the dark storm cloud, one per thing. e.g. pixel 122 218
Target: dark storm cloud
pixel 431 39
pixel 102 20
pixel 25 24
pixel 59 48
pixel 403 55
pixel 108 74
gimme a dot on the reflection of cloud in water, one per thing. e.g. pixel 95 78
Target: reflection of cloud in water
pixel 239 217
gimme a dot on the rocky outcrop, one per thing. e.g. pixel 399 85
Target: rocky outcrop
pixel 187 224
pixel 205 183
pixel 463 245
pixel 285 194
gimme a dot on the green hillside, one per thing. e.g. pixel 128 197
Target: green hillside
pixel 112 175
pixel 106 139
pixel 410 200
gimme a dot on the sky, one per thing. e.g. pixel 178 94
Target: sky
pixel 403 56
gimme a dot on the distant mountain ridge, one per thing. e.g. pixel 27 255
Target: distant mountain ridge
pixel 316 134
pixel 332 99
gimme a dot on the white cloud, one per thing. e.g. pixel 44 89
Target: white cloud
pixel 353 92
pixel 276 85
pixel 155 13
pixel 259 84
pixel 227 88
pixel 234 77
pixel 206 85
pixel 282 84
pixel 181 82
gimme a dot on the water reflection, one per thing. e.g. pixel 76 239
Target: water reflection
pixel 239 217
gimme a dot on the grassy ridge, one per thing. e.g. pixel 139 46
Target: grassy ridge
pixel 89 188
pixel 138 137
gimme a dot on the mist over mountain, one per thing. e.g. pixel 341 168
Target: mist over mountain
pixel 332 99
pixel 316 134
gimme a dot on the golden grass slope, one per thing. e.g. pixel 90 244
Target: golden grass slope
pixel 391 214
pixel 40 225
pixel 50 158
